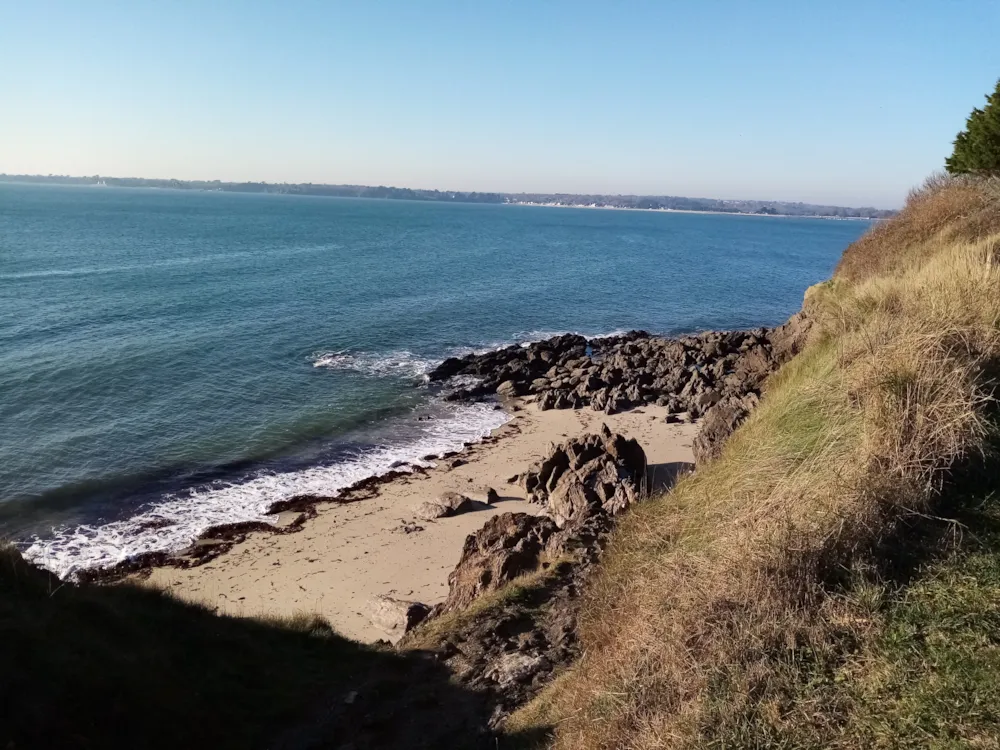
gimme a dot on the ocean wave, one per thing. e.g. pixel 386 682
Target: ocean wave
pixel 525 338
pixel 406 364
pixel 528 337
pixel 386 364
pixel 175 521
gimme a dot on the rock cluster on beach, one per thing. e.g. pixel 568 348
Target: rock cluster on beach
pixel 593 473
pixel 586 478
pixel 510 649
pixel 687 374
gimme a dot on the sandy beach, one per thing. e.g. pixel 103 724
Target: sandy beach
pixel 349 553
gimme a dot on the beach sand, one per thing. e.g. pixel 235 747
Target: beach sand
pixel 349 553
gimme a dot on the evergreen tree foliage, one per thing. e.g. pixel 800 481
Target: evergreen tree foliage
pixel 977 148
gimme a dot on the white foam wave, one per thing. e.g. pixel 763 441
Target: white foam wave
pixel 399 363
pixel 173 523
pixel 404 363
pixel 531 336
pixel 525 338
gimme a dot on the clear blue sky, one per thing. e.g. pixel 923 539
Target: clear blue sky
pixel 849 102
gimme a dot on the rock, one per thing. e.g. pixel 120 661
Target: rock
pixel 688 373
pixel 719 423
pixel 508 545
pixel 549 469
pixel 547 401
pixel 592 474
pixel 447 369
pixel 395 616
pixel 454 502
pixel 509 389
pixel 448 504
pixel 592 383
pixel 408 528
pixel 707 399
pixel 570 501
pixel 430 511
pixel 492 496
pixel 599 399
pixel 513 668
pixel 788 339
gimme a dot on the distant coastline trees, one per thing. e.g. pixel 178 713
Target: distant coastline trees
pixel 977 148
pixel 646 202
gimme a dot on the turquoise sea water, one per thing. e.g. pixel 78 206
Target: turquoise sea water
pixel 170 360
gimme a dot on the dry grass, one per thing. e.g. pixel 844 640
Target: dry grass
pixel 944 209
pixel 725 609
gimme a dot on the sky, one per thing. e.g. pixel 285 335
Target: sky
pixel 850 103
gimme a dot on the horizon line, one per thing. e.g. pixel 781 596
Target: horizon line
pixel 97 176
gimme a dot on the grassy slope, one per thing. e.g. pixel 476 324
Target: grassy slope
pixel 791 593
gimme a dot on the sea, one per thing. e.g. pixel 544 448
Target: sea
pixel 171 360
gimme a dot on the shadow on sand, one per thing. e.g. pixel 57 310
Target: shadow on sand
pixel 126 666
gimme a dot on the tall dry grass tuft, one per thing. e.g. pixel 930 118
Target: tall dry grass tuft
pixel 717 618
pixel 945 208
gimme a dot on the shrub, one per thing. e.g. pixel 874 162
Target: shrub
pixel 977 148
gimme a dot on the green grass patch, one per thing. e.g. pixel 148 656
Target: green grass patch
pixel 931 678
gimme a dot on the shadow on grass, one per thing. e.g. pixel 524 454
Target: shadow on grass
pixel 964 517
pixel 128 667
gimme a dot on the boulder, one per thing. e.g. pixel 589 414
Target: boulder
pixel 788 339
pixel 448 504
pixel 719 423
pixel 592 474
pixel 539 384
pixel 509 389
pixel 429 511
pixel 707 399
pixel 395 616
pixel 571 500
pixel 508 545
pixel 688 373
pixel 547 401
pixel 514 668
pixel 447 369
pixel 752 369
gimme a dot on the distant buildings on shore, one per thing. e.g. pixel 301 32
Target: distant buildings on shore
pixel 634 202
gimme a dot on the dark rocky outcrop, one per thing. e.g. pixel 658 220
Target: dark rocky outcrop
pixel 585 476
pixel 507 546
pixel 509 651
pixel 719 423
pixel 687 374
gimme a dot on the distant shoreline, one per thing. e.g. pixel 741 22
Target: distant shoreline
pixel 694 211
pixel 663 203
